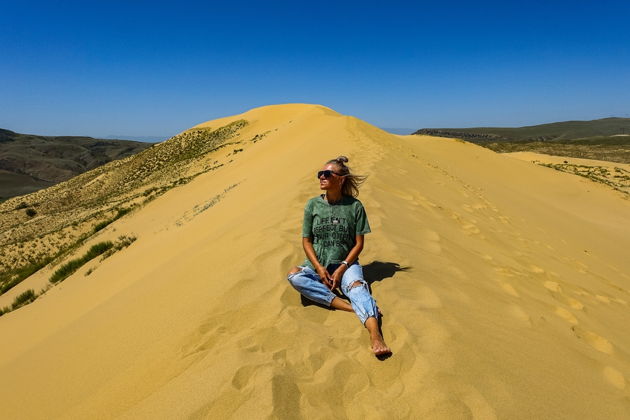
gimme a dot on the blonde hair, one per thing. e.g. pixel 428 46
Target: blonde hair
pixel 352 183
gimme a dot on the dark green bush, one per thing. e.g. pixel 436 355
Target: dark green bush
pixel 24 299
pixel 71 266
pixel 31 212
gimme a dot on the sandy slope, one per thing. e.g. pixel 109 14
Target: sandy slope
pixel 505 287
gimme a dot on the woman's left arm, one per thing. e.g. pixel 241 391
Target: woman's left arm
pixel 353 255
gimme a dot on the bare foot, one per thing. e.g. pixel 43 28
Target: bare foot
pixel 379 347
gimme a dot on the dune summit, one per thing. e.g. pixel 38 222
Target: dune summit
pixel 505 288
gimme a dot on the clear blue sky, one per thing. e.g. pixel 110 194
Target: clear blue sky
pixel 155 68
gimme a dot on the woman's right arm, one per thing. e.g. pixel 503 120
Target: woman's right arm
pixel 307 244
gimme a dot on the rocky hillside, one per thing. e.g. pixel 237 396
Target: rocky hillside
pixel 30 162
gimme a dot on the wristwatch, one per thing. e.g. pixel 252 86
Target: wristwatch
pixel 346 263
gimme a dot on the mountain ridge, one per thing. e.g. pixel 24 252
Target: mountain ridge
pixel 564 130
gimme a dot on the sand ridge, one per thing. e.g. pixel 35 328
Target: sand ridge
pixel 496 305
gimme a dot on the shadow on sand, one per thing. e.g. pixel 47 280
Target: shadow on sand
pixel 373 272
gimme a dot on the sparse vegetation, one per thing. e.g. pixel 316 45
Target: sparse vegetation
pixel 72 266
pixel 70 212
pixel 10 278
pixel 123 242
pixel 200 208
pixel 119 213
pixel 24 299
pixel 620 181
pixel 597 139
pixel 259 137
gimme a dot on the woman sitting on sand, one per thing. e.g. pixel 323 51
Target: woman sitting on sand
pixel 332 237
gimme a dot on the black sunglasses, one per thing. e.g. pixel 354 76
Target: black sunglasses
pixel 327 173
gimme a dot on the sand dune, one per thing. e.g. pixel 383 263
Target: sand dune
pixel 505 287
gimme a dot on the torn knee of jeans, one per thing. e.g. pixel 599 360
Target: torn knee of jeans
pixel 357 284
pixel 294 270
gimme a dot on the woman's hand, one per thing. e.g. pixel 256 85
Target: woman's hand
pixel 325 276
pixel 336 276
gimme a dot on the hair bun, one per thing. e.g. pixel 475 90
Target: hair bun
pixel 342 159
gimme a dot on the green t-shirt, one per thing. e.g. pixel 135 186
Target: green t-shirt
pixel 333 227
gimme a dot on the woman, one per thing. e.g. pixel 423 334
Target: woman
pixel 332 237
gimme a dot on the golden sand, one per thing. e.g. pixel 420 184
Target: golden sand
pixel 505 288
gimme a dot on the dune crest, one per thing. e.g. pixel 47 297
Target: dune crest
pixel 505 287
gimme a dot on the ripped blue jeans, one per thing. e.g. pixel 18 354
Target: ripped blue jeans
pixel 307 282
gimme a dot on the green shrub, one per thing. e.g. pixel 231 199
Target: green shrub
pixel 10 278
pixel 102 225
pixel 24 299
pixel 71 266
pixel 31 212
pixel 119 213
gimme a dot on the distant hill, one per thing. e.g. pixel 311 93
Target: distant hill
pixel 30 162
pixel 604 139
pixel 567 130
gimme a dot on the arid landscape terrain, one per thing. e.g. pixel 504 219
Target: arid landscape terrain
pixel 154 286
pixel 604 139
pixel 30 162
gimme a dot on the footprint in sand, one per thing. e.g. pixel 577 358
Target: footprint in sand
pixel 614 377
pixel 248 345
pixel 475 207
pixel 509 289
pixel 507 271
pixel 431 242
pixel 518 313
pixel 469 227
pixel 243 375
pixel 206 337
pixel 575 304
pixel 581 267
pixel 566 315
pixel 553 286
pixel 596 341
pixel 603 299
